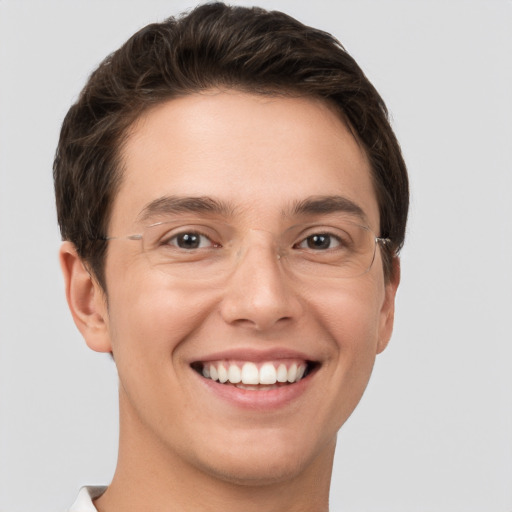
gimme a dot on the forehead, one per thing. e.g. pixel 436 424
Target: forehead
pixel 258 154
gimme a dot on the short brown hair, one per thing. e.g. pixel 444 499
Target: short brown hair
pixel 214 45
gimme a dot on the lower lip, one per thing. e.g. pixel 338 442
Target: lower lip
pixel 263 400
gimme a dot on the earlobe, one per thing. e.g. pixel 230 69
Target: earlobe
pixel 387 314
pixel 86 300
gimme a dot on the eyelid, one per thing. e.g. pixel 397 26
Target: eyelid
pixel 332 236
pixel 166 238
pixel 303 231
pixel 159 234
pixel 221 233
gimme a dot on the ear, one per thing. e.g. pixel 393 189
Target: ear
pixel 387 313
pixel 86 300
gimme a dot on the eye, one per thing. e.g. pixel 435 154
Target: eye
pixel 319 242
pixel 190 240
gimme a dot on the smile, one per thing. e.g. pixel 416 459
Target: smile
pixel 255 376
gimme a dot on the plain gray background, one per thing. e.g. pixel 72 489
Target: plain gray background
pixel 434 430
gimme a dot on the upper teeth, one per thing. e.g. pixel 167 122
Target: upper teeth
pixel 249 373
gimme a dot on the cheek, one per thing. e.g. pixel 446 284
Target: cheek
pixel 346 319
pixel 350 313
pixel 151 320
pixel 151 315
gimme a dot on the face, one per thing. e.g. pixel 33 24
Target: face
pixel 255 159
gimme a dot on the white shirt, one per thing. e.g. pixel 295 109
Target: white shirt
pixel 83 502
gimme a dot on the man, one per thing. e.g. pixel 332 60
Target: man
pixel 232 200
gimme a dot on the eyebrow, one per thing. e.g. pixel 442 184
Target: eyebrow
pixel 171 205
pixel 328 204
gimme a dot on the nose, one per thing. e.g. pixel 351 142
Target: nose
pixel 259 295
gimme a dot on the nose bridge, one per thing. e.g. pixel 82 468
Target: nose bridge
pixel 259 292
pixel 256 241
pixel 257 263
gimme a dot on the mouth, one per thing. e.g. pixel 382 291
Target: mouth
pixel 252 376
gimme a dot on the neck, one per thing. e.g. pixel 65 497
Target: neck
pixel 151 477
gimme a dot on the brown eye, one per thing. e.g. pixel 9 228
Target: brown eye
pixel 319 242
pixel 190 240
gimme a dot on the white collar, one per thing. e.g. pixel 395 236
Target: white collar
pixel 83 502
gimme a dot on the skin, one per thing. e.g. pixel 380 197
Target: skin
pixel 181 444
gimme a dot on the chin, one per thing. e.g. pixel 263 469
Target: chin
pixel 268 461
pixel 249 472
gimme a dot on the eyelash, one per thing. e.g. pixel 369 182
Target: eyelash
pixel 168 239
pixel 332 238
pixel 212 244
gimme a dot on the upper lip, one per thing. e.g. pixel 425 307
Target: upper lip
pixel 255 355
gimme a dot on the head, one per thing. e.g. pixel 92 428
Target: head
pixel 262 130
